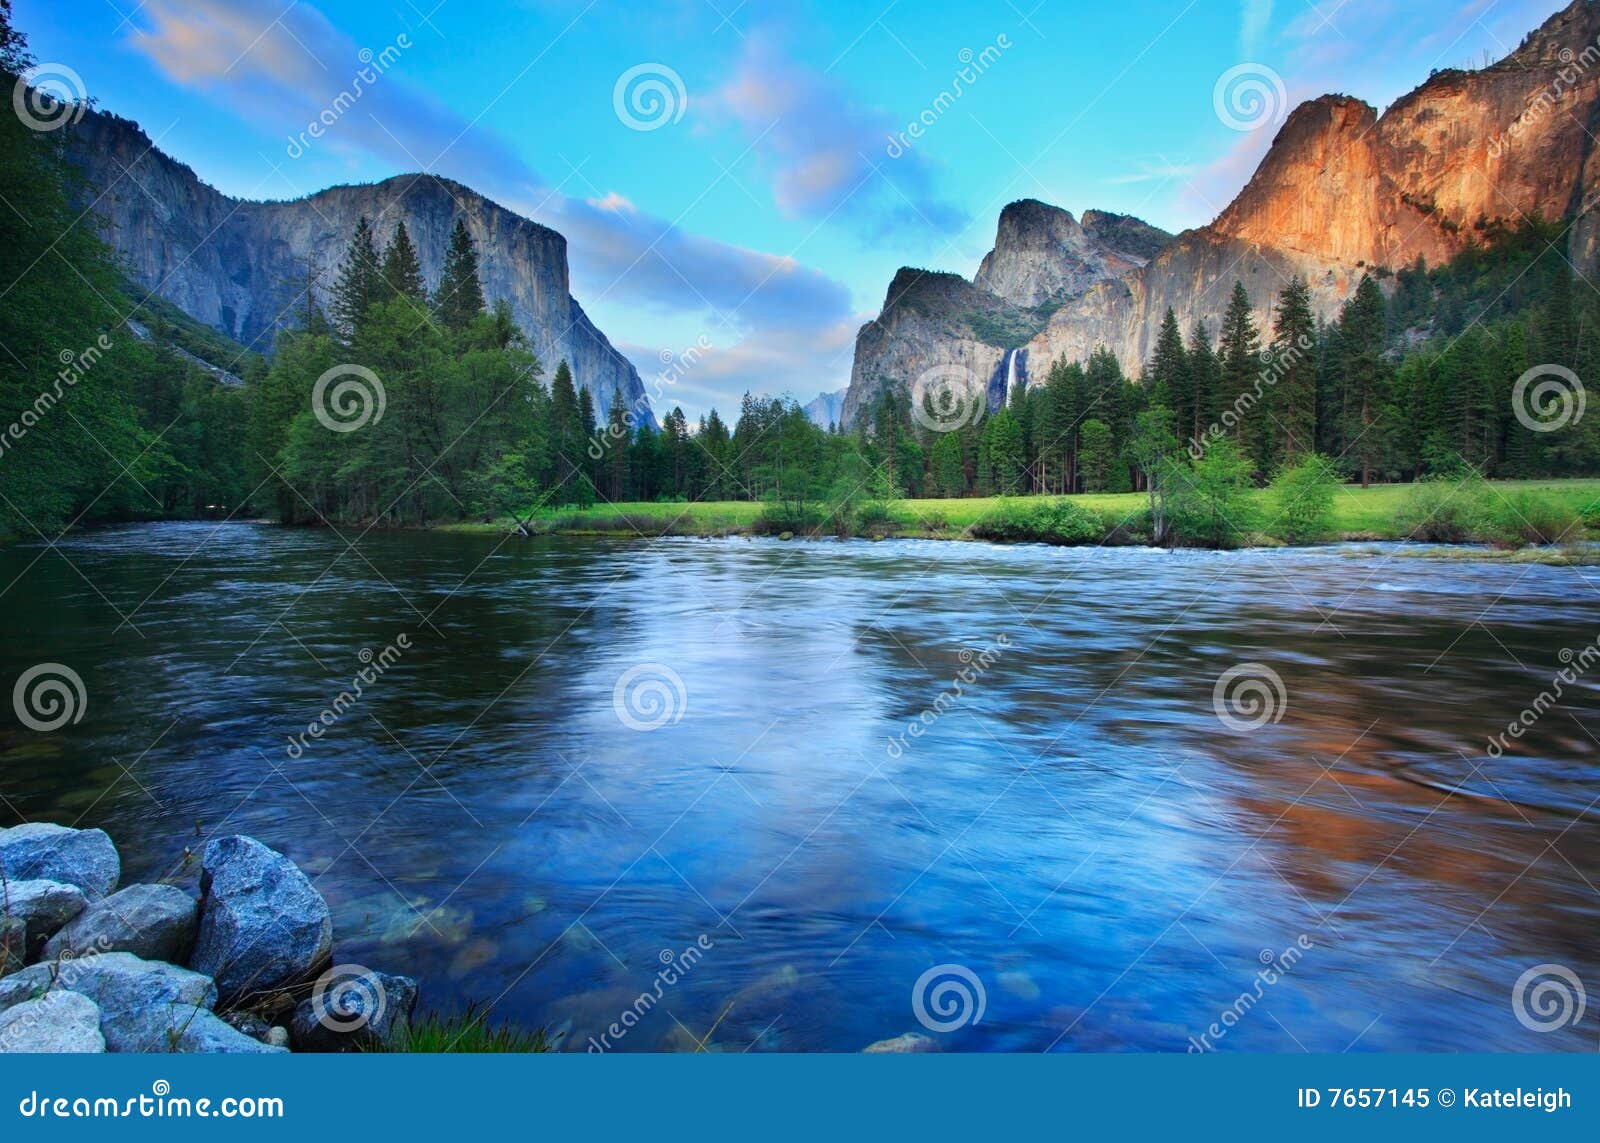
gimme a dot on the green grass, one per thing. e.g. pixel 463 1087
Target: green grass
pixel 1376 513
pixel 467 1034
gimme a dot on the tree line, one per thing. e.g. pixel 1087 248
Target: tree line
pixel 402 405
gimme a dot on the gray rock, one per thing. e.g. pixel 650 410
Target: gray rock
pixel 82 857
pixel 908 1043
pixel 145 1006
pixel 354 1009
pixel 278 1037
pixel 43 906
pixel 263 926
pixel 241 276
pixel 56 1022
pixel 155 922
pixel 25 984
pixel 207 1032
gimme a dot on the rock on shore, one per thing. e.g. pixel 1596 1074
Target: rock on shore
pixel 87 968
pixel 263 925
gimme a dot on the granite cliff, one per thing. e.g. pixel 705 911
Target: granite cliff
pixel 241 266
pixel 1342 190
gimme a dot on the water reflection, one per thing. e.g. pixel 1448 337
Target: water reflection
pixel 1075 826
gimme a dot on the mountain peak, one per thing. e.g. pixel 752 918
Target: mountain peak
pixel 1043 255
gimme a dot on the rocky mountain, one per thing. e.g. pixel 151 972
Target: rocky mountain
pixel 1042 254
pixel 241 266
pixel 1341 191
pixel 1042 258
pixel 825 409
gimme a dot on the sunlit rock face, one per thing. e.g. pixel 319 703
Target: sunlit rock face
pixel 1342 190
pixel 242 266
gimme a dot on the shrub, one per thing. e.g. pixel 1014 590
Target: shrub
pixel 1444 509
pixel 874 516
pixel 1045 521
pixel 1210 503
pixel 1527 518
pixel 1127 527
pixel 1302 499
pixel 776 519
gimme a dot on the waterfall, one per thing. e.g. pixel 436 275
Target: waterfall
pixel 1011 373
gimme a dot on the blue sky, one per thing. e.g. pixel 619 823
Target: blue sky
pixel 764 211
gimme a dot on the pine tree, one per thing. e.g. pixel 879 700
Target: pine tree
pixel 1238 350
pixel 619 444
pixel 566 427
pixel 588 435
pixel 1004 439
pixel 1294 396
pixel 1095 454
pixel 1205 373
pixel 1058 450
pixel 714 441
pixel 949 473
pixel 459 298
pixel 360 282
pixel 1362 334
pixel 1169 383
pixel 402 271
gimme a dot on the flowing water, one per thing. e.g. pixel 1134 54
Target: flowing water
pixel 1071 824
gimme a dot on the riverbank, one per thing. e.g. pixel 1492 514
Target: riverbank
pixel 1549 521
pixel 88 965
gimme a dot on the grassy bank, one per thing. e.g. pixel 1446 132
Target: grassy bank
pixel 1507 514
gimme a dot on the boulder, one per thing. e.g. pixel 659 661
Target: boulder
pixel 352 1008
pixel 25 984
pixel 56 1022
pixel 82 857
pixel 145 1006
pixel 263 926
pixel 43 906
pixel 155 922
pixel 905 1044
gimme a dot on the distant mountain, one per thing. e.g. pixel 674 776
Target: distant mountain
pixel 1343 190
pixel 826 408
pixel 1042 259
pixel 239 266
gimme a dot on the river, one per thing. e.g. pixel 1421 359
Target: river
pixel 577 759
